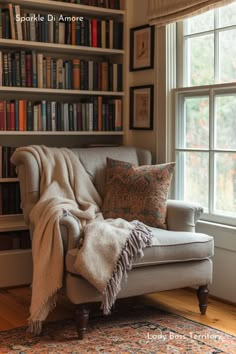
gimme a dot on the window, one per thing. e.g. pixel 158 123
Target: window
pixel 206 113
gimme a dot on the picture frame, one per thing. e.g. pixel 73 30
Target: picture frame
pixel 142 48
pixel 141 107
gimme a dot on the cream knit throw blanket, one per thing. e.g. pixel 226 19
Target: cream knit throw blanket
pixel 108 249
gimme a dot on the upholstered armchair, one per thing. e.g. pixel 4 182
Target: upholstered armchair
pixel 178 257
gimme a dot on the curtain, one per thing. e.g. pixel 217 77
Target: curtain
pixel 163 12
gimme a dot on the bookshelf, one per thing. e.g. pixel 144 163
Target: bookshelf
pixel 94 51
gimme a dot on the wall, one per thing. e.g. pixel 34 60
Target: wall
pixel 224 260
pixel 136 11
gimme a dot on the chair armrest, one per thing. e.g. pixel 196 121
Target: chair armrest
pixel 29 177
pixel 70 231
pixel 182 216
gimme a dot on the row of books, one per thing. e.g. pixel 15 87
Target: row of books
pixel 15 240
pixel 7 169
pixel 10 198
pixel 90 114
pixel 110 4
pixel 33 69
pixel 58 28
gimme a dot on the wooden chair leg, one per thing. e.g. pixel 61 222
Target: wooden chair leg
pixel 81 319
pixel 202 294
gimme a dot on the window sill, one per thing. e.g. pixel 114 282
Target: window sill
pixel 224 235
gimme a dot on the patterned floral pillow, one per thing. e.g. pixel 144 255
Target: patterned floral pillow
pixel 137 193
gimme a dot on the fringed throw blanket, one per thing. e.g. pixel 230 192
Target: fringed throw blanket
pixel 109 246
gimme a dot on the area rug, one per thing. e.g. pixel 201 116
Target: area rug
pixel 140 330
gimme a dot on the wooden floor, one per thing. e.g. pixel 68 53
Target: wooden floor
pixel 14 306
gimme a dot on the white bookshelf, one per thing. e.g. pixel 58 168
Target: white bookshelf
pixel 30 90
pixel 67 8
pixel 12 223
pixel 7 180
pixel 18 262
pixel 54 133
pixel 58 48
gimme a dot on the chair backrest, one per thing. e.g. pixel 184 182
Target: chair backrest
pixel 93 160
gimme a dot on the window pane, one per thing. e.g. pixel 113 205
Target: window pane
pixel 225 191
pixel 228 15
pixel 225 118
pixel 196 122
pixel 200 60
pixel 195 179
pixel 200 23
pixel 227 57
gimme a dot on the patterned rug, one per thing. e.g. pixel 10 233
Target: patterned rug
pixel 141 330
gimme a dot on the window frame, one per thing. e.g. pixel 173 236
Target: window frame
pixel 211 91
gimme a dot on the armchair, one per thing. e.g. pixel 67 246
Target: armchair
pixel 178 258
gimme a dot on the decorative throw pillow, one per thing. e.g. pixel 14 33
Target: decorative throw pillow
pixel 137 193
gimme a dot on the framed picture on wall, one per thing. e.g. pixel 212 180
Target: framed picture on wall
pixel 141 107
pixel 142 48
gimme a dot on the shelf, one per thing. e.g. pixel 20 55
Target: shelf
pixel 15 267
pixel 12 223
pixel 63 7
pixel 58 48
pixel 7 180
pixel 13 132
pixel 13 89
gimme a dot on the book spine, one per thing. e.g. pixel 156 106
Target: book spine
pixel 61 35
pixel 18 24
pixel 99 113
pixel 104 84
pixel 75 128
pixel 5 70
pixel 12 22
pixel 8 125
pixel 111 25
pixel 9 69
pixel 1 68
pixel 44 73
pixel 76 73
pixel 59 75
pixel 53 116
pixel 71 117
pixel 90 116
pixel 1 115
pixel 48 72
pixel 118 114
pixel 1 31
pixel 34 69
pixel 35 117
pixel 48 116
pixel 29 124
pixel 94 33
pixel 66 117
pixel 18 70
pixel 12 116
pixel 90 75
pixel 32 29
pixel 79 116
pixel 43 116
pixel 28 70
pixel 16 115
pixel 40 70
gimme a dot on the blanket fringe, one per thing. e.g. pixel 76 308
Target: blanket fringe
pixel 139 238
pixel 35 325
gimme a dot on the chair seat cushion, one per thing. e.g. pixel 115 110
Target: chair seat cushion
pixel 167 247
